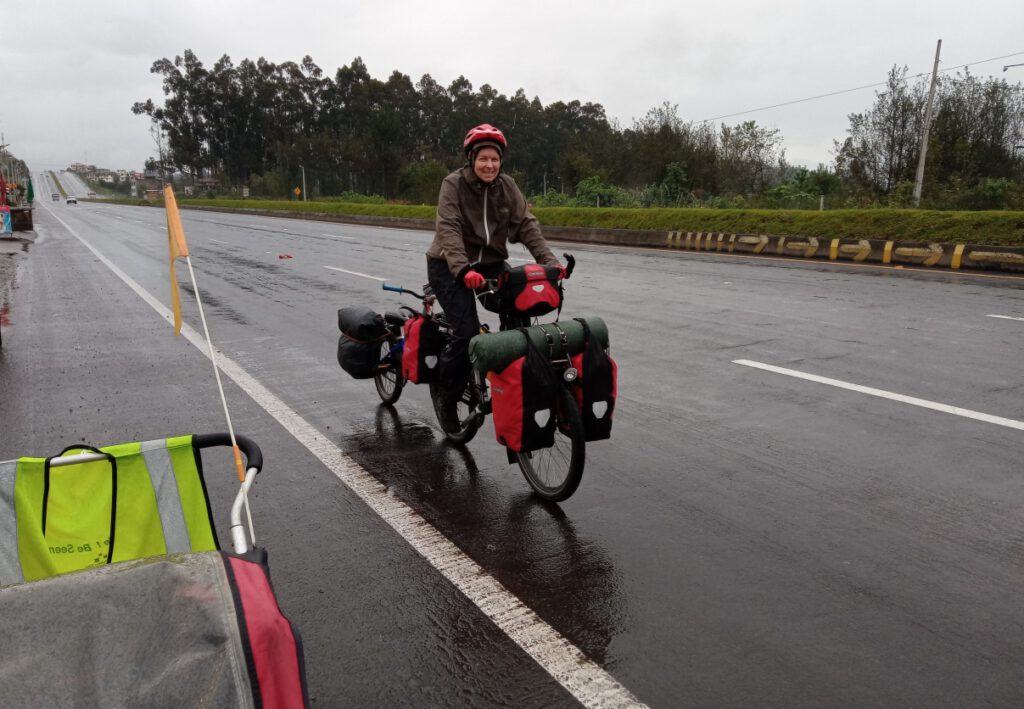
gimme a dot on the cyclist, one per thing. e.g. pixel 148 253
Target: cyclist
pixel 480 210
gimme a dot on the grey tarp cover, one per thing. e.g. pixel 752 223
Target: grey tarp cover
pixel 158 632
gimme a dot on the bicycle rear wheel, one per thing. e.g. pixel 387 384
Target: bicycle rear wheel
pixel 388 378
pixel 554 473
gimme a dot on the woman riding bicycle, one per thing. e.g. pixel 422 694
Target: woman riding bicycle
pixel 479 211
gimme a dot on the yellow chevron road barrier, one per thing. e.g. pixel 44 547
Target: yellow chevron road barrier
pixel 887 252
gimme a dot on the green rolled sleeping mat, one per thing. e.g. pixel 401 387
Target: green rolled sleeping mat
pixel 496 350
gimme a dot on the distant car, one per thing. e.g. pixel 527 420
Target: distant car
pixel 55 197
pixel 90 194
pixel 72 200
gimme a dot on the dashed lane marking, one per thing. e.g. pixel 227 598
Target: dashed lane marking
pixel 1006 317
pixel 567 665
pixel 923 403
pixel 355 273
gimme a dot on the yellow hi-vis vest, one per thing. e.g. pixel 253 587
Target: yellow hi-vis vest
pixel 145 499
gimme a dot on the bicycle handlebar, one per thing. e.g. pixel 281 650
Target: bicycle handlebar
pixel 399 289
pixel 489 283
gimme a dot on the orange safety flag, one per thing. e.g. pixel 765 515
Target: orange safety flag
pixel 178 247
pixel 238 463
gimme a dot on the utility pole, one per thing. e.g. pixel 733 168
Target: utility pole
pixel 301 167
pixel 927 125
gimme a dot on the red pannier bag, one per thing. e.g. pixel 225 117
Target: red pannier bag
pixel 597 386
pixel 531 290
pixel 523 402
pixel 421 351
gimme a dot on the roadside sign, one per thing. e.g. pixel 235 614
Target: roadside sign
pixel 297 191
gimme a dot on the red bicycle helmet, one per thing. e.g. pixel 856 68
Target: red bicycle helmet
pixel 484 132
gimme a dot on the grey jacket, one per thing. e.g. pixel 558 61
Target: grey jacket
pixel 477 221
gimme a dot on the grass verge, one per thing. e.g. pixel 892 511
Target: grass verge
pixel 994 228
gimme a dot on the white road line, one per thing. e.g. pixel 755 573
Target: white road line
pixel 581 676
pixel 218 241
pixel 1006 317
pixel 335 236
pixel 355 273
pixel 923 403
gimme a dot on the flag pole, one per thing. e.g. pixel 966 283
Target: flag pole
pixel 216 371
pixel 179 247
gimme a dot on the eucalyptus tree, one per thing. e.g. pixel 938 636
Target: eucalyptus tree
pixel 183 118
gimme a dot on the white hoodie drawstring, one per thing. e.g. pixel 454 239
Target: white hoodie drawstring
pixel 487 230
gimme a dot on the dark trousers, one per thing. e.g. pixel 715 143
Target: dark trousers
pixel 459 305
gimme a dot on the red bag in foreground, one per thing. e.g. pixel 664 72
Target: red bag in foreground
pixel 523 401
pixel 597 387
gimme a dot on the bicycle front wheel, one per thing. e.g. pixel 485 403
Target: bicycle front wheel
pixel 554 473
pixel 388 378
pixel 466 412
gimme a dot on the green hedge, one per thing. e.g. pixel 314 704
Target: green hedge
pixel 994 227
pixel 376 210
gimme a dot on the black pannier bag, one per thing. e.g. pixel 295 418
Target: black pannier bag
pixel 597 386
pixel 523 401
pixel 421 351
pixel 359 346
pixel 530 290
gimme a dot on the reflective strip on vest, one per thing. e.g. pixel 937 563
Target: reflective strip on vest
pixel 10 566
pixel 168 501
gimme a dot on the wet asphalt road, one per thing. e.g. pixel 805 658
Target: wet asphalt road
pixel 747 538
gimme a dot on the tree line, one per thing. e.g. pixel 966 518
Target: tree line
pixel 262 125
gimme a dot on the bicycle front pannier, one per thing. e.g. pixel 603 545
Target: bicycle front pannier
pixel 359 346
pixel 596 387
pixel 523 401
pixel 531 290
pixel 421 352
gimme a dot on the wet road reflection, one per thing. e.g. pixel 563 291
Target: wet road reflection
pixel 10 250
pixel 529 545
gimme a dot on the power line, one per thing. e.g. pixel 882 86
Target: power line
pixel 847 91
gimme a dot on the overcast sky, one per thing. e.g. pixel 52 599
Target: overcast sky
pixel 71 70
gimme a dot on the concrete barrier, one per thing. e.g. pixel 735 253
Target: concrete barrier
pixel 882 251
